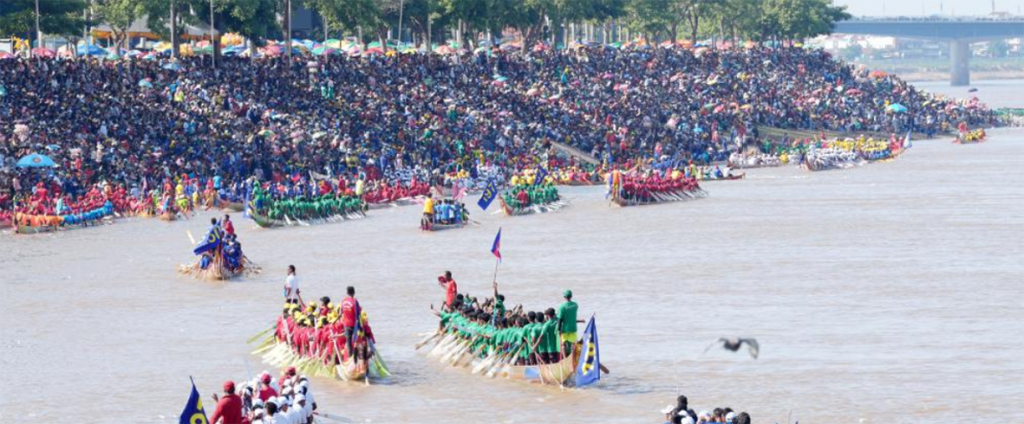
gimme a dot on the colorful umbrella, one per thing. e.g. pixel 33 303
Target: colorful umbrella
pixel 896 108
pixel 36 160
pixel 5 55
pixel 44 52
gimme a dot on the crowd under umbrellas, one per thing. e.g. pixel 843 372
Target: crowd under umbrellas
pixel 135 123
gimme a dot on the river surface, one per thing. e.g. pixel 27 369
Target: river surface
pixel 893 293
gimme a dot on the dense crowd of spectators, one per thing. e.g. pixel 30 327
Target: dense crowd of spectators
pixel 141 123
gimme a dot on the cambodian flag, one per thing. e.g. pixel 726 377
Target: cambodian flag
pixel 496 248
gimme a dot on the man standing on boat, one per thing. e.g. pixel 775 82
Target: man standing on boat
pixel 451 289
pixel 292 294
pixel 428 211
pixel 349 309
pixel 229 227
pixel 567 323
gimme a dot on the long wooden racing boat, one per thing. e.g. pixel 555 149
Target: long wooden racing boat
pixel 508 210
pixel 972 137
pixel 323 363
pixel 20 228
pixel 663 197
pixel 267 222
pixel 441 227
pixel 218 270
pixel 449 349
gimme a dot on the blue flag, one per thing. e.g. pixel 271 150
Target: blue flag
pixel 210 242
pixel 541 175
pixel 193 412
pixel 589 369
pixel 490 193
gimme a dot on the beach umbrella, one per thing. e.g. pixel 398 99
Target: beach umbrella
pixel 853 92
pixel 373 50
pixel 896 108
pixel 44 52
pixel 319 51
pixel 5 55
pixel 36 160
pixel 444 50
pixel 878 74
pixel 333 43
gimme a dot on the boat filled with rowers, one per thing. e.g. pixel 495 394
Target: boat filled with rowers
pixel 648 187
pixel 515 344
pixel 443 214
pixel 849 152
pixel 220 254
pixel 325 340
pixel 277 205
pixel 970 137
pixel 527 194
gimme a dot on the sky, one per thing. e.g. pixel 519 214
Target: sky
pixel 929 7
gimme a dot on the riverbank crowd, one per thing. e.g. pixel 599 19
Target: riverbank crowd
pixel 127 128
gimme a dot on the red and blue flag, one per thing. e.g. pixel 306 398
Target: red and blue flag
pixel 496 248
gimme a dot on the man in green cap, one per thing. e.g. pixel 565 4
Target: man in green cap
pixel 567 322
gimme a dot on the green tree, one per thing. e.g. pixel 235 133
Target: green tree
pixel 998 48
pixel 119 14
pixel 57 17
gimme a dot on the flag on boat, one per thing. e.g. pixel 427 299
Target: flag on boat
pixel 210 242
pixel 245 206
pixel 906 141
pixel 541 175
pixel 489 194
pixel 193 412
pixel 496 247
pixel 589 369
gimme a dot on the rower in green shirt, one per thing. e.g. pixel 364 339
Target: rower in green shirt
pixel 567 322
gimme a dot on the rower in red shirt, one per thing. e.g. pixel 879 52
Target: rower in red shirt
pixel 229 407
pixel 450 287
pixel 349 309
pixel 229 228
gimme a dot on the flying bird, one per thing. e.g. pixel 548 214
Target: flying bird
pixel 733 344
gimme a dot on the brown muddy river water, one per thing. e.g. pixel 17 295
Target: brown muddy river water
pixel 893 292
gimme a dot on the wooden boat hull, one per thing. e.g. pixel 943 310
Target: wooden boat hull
pixel 267 222
pixel 350 370
pixel 31 229
pixel 678 196
pixel 510 211
pixel 549 374
pixel 442 227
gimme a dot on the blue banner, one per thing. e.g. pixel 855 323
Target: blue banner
pixel 589 369
pixel 210 242
pixel 193 412
pixel 490 193
pixel 541 175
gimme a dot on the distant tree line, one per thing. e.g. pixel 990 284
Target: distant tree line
pixel 433 21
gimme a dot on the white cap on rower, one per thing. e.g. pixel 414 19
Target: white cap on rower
pixel 730 417
pixel 667 409
pixel 300 397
